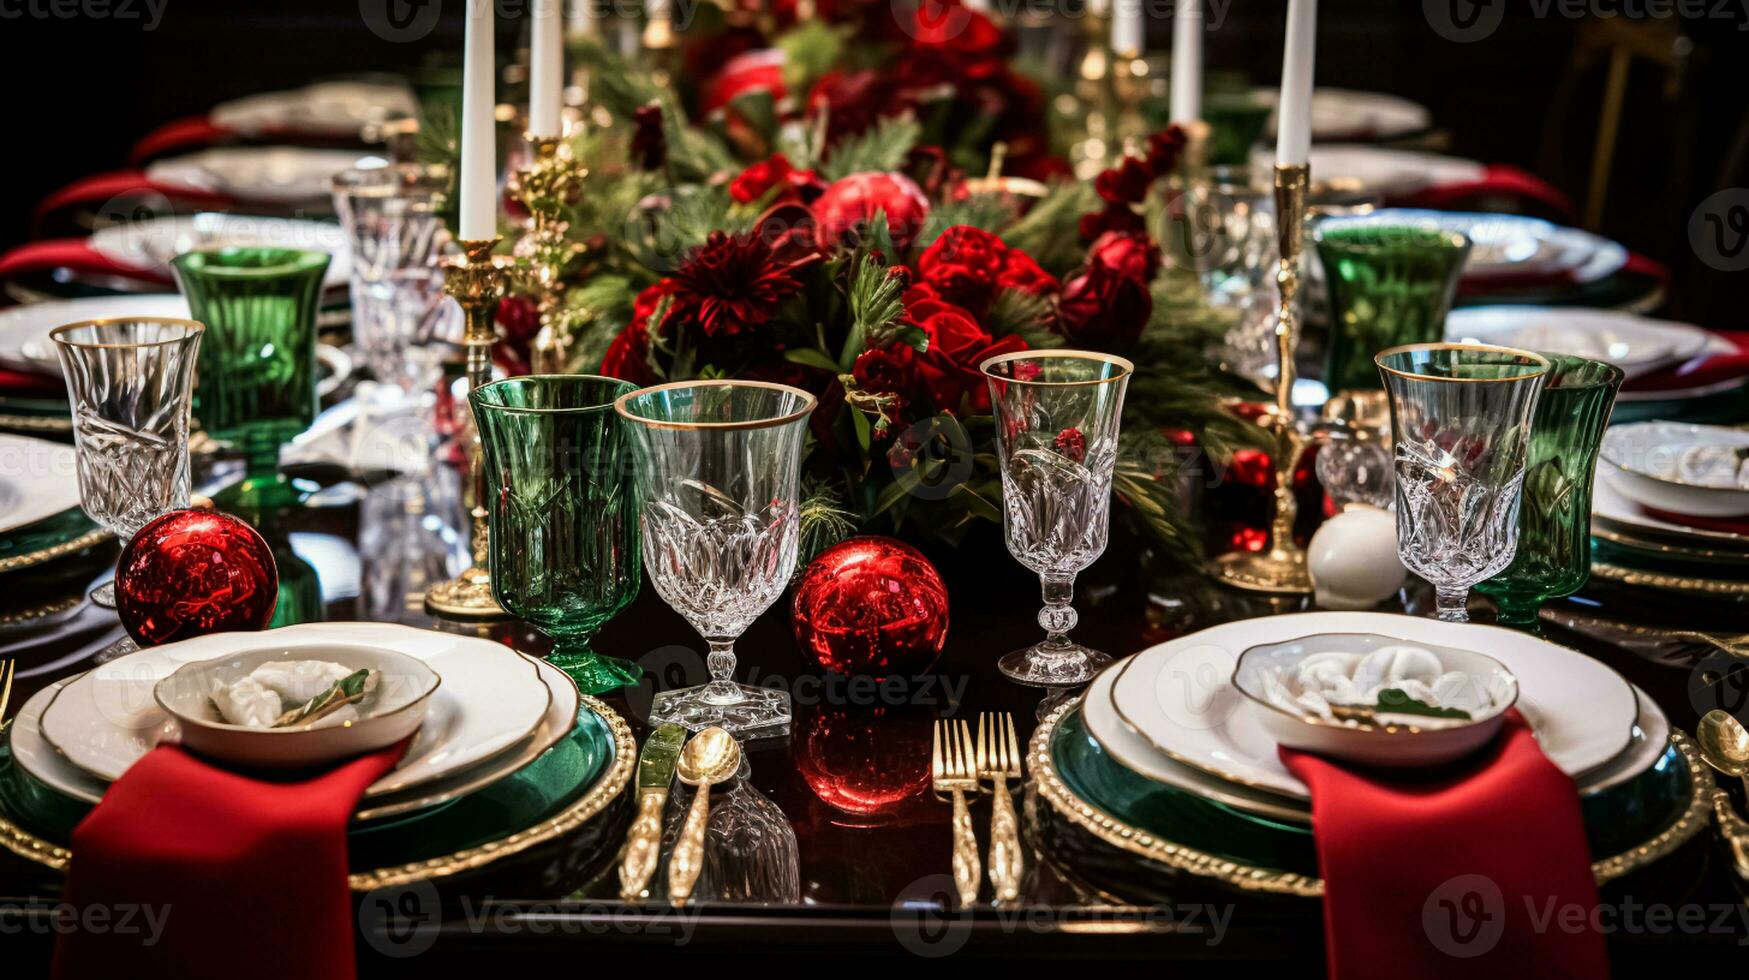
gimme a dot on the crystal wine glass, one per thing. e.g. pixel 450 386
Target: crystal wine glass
pixel 129 382
pixel 563 540
pixel 719 468
pixel 1057 416
pixel 1461 422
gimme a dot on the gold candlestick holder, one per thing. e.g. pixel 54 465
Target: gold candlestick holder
pixel 1281 568
pixel 477 280
pixel 548 187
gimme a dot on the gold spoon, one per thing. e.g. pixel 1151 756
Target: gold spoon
pixel 709 757
pixel 1724 744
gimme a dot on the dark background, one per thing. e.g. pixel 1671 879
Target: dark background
pixel 81 89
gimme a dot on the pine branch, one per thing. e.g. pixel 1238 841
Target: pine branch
pixel 1051 231
pixel 989 212
pixel 876 304
pixel 1023 313
pixel 882 147
pixel 825 520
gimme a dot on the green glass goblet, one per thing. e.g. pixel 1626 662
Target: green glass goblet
pixel 1391 284
pixel 1554 518
pixel 562 513
pixel 256 387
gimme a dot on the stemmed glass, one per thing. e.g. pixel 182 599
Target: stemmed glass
pixel 562 507
pixel 393 218
pixel 1057 415
pixel 719 468
pixel 129 381
pixel 1461 424
pixel 258 366
pixel 1391 285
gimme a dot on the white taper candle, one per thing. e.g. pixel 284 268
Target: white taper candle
pixel 546 69
pixel 1187 61
pixel 1293 125
pixel 1127 31
pixel 479 137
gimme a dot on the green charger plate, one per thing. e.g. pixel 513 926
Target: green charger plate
pixel 66 533
pixel 1724 578
pixel 569 785
pixel 1628 825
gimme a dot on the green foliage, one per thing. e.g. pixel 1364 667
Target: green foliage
pixel 1051 232
pixel 881 147
pixel 876 304
pixel 1023 313
pixel 825 520
pixel 990 212
pixel 811 49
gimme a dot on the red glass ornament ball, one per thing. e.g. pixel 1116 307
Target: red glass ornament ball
pixel 194 572
pixel 871 606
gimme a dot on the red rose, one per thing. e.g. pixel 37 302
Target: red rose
pixel 1164 149
pixel 754 71
pixel 957 345
pixel 1126 183
pixel 891 370
pixel 1115 217
pixel 951 38
pixel 1130 253
pixel 775 171
pixel 853 200
pixel 628 354
pixel 1104 309
pixel 969 266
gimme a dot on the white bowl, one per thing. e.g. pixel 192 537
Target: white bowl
pixel 1654 461
pixel 1384 745
pixel 393 712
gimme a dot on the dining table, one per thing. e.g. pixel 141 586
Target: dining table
pixel 847 851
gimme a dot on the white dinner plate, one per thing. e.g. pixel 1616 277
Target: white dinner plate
pixel 151 244
pixel 1180 698
pixel 1340 114
pixel 337 108
pixel 24 330
pixel 1612 510
pixel 1375 169
pixel 1657 464
pixel 491 698
pixel 38 479
pixel 269 174
pixel 1634 343
pixel 46 765
pixel 1508 245
pixel 1648 742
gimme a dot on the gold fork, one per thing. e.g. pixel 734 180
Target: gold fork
pixel 999 761
pixel 7 669
pixel 951 769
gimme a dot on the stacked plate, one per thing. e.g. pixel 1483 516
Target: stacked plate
pixel 1513 252
pixel 505 738
pixel 281 175
pixel 149 245
pixel 1654 532
pixel 1375 170
pixel 1163 750
pixel 40 519
pixel 1346 115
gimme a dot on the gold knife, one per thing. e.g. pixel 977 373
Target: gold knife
pixel 644 839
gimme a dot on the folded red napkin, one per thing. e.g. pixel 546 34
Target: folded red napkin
pixel 75 254
pixel 1708 369
pixel 1498 182
pixel 243 875
pixel 100 188
pixel 179 135
pixel 1730 525
pixel 1638 266
pixel 21 383
pixel 1466 874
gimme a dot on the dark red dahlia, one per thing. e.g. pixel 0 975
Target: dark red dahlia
pixel 732 283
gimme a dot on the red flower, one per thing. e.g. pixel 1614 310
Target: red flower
pixel 952 39
pixel 889 371
pixel 775 171
pixel 854 100
pixel 753 71
pixel 1115 217
pixel 628 356
pixel 1071 443
pixel 968 266
pixel 731 284
pixel 1164 149
pixel 853 200
pixel 957 345
pixel 1104 309
pixel 1126 183
pixel 649 142
pixel 1131 253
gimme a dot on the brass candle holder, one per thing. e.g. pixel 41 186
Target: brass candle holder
pixel 547 187
pixel 477 280
pixel 1281 567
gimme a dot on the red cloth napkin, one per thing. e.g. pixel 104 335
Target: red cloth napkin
pixel 20 383
pixel 1731 525
pixel 1707 369
pixel 1459 874
pixel 1474 285
pixel 245 876
pixel 98 188
pixel 71 253
pixel 1497 181
pixel 187 133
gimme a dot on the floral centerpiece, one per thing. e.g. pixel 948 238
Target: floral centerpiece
pixel 811 222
